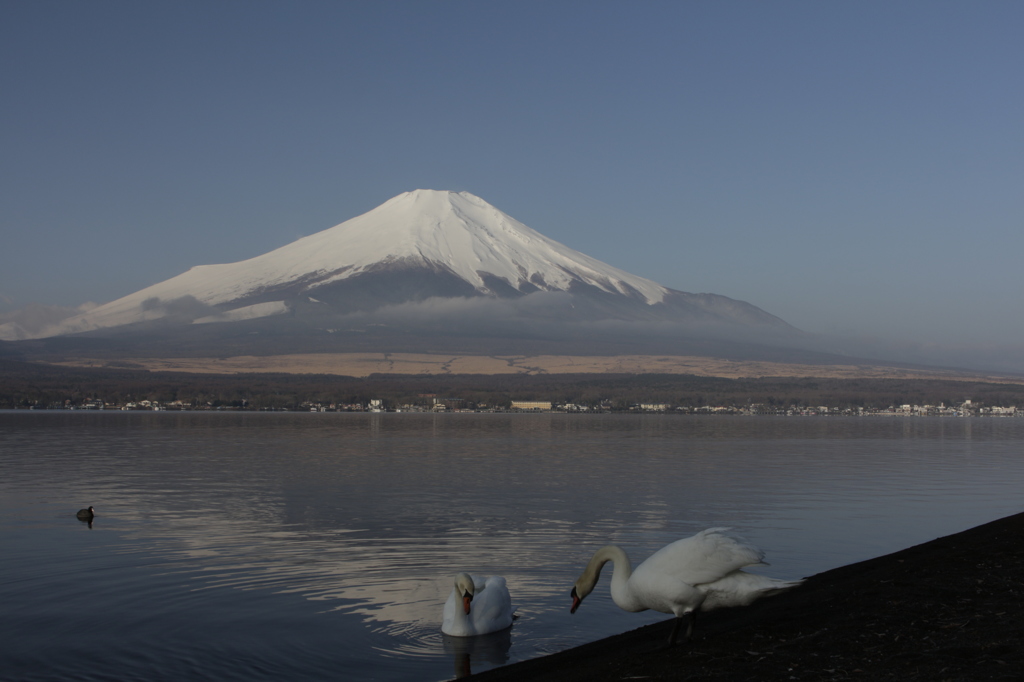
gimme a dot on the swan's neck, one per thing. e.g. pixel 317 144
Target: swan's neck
pixel 463 585
pixel 459 616
pixel 621 570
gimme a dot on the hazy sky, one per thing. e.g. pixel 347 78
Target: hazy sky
pixel 852 167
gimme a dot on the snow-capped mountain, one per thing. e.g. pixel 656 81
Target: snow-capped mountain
pixel 418 246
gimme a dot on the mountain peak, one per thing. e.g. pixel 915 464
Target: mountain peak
pixel 418 245
pixel 432 201
pixel 461 233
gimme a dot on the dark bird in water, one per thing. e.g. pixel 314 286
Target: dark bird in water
pixel 86 514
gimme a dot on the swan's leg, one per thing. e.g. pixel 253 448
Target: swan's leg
pixel 675 630
pixel 689 616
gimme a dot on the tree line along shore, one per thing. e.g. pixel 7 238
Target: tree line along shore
pixel 30 385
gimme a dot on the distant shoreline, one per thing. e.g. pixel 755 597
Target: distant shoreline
pixel 126 383
pixel 734 412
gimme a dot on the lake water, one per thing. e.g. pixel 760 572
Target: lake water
pixel 246 546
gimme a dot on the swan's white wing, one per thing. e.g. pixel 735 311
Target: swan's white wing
pixel 492 604
pixel 702 558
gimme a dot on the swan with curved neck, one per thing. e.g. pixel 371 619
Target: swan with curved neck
pixel 701 572
pixel 477 606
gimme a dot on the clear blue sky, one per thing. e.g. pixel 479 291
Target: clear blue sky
pixel 852 167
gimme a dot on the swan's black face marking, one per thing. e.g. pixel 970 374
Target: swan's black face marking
pixel 576 601
pixel 466 599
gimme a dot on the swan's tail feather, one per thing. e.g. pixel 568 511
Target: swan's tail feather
pixel 778 586
pixel 775 585
pixel 740 589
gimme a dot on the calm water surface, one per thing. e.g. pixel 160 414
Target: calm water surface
pixel 322 546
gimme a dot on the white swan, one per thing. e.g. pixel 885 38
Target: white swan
pixel 696 573
pixel 477 606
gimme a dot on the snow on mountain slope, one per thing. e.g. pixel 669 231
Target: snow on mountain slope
pixel 457 233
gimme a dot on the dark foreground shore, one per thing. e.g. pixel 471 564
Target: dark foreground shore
pixel 949 609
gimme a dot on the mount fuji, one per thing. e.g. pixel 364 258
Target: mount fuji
pixel 422 258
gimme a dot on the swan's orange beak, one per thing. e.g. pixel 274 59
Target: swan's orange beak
pixel 465 602
pixel 576 601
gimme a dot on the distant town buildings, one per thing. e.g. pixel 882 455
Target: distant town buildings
pixel 532 405
pixel 434 403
